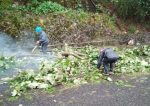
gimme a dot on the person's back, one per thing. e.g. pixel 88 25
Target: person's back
pixel 109 53
pixel 43 37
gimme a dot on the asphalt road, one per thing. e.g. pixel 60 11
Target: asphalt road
pixel 137 93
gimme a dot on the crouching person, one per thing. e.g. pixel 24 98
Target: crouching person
pixel 107 56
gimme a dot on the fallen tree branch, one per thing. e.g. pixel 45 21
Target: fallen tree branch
pixel 66 54
pixel 80 54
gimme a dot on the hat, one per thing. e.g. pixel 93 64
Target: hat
pixel 38 29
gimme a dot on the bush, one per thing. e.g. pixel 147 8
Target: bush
pixel 44 7
pixel 136 9
pixel 132 29
pixel 47 7
pixel 35 7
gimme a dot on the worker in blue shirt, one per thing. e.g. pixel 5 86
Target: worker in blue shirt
pixel 43 41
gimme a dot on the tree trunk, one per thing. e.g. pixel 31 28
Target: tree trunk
pixel 91 5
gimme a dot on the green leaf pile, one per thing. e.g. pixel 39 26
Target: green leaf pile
pixel 134 60
pixel 78 71
pixel 6 63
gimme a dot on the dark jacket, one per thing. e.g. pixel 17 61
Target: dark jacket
pixel 106 53
pixel 43 37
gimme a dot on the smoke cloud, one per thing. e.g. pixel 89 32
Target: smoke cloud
pixel 24 43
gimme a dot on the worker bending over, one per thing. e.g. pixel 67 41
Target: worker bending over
pixel 107 56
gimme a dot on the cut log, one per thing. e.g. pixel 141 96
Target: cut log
pixel 71 53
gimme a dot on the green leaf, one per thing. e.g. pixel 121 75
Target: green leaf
pixel 144 63
pixel 119 82
pixel 12 98
pixel 32 84
pixel 15 93
pixel 30 73
pixel 42 85
pixel 77 81
pixel 109 79
pixel 50 78
pixel 67 62
pixel 128 84
pixel 50 89
pixel 1 63
pixel 11 58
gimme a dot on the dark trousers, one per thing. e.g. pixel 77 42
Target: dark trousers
pixel 44 48
pixel 106 61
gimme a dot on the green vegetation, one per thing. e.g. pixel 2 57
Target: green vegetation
pixel 138 10
pixel 34 7
pixel 75 71
pixel 132 29
pixel 66 19
pixel 132 60
pixel 39 8
pixel 6 63
pixel 17 15
pixel 14 18
pixel 15 23
pixel 12 98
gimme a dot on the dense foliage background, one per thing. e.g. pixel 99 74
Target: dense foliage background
pixel 88 17
pixel 140 8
